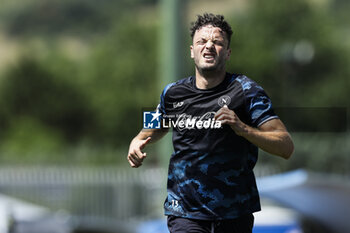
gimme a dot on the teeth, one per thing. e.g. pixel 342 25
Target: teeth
pixel 208 56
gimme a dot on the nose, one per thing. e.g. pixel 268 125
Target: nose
pixel 209 44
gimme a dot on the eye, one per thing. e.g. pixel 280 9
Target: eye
pixel 219 42
pixel 201 41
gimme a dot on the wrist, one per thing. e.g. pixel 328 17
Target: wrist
pixel 242 130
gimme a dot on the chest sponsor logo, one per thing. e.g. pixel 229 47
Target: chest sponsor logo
pixel 224 100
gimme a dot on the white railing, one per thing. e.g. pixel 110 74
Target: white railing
pixel 100 194
pixel 108 192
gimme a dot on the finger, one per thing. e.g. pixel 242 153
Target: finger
pixel 222 110
pixel 133 165
pixel 130 162
pixel 134 162
pixel 145 142
pixel 219 113
pixel 134 155
pixel 139 155
pixel 224 119
pixel 224 114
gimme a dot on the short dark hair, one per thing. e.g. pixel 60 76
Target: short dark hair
pixel 211 19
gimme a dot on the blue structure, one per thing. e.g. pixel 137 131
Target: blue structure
pixel 319 197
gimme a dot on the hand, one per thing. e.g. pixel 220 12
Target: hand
pixel 135 155
pixel 227 116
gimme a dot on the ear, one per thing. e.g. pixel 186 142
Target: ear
pixel 192 54
pixel 228 54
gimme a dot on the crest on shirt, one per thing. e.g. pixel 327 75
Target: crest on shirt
pixel 224 100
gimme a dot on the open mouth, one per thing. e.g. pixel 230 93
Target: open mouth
pixel 209 56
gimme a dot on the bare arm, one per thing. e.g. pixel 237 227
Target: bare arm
pixel 272 136
pixel 146 136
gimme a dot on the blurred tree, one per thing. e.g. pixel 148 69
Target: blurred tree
pixel 291 48
pixel 27 140
pixel 56 17
pixel 296 51
pixel 31 90
pixel 340 11
pixel 121 79
pixel 94 103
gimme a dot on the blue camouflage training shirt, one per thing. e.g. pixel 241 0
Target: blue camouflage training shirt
pixel 211 170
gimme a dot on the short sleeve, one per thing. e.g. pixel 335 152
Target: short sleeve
pixel 258 104
pixel 161 106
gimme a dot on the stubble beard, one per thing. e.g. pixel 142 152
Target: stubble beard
pixel 211 68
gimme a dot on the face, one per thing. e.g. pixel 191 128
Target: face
pixel 210 49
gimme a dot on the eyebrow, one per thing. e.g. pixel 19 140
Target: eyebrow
pixel 215 38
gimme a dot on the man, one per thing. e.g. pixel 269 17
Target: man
pixel 219 120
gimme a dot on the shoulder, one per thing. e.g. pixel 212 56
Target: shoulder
pixel 247 83
pixel 178 84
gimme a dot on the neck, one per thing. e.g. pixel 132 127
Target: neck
pixel 209 79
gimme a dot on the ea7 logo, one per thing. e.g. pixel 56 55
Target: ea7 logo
pixel 151 120
pixel 178 104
